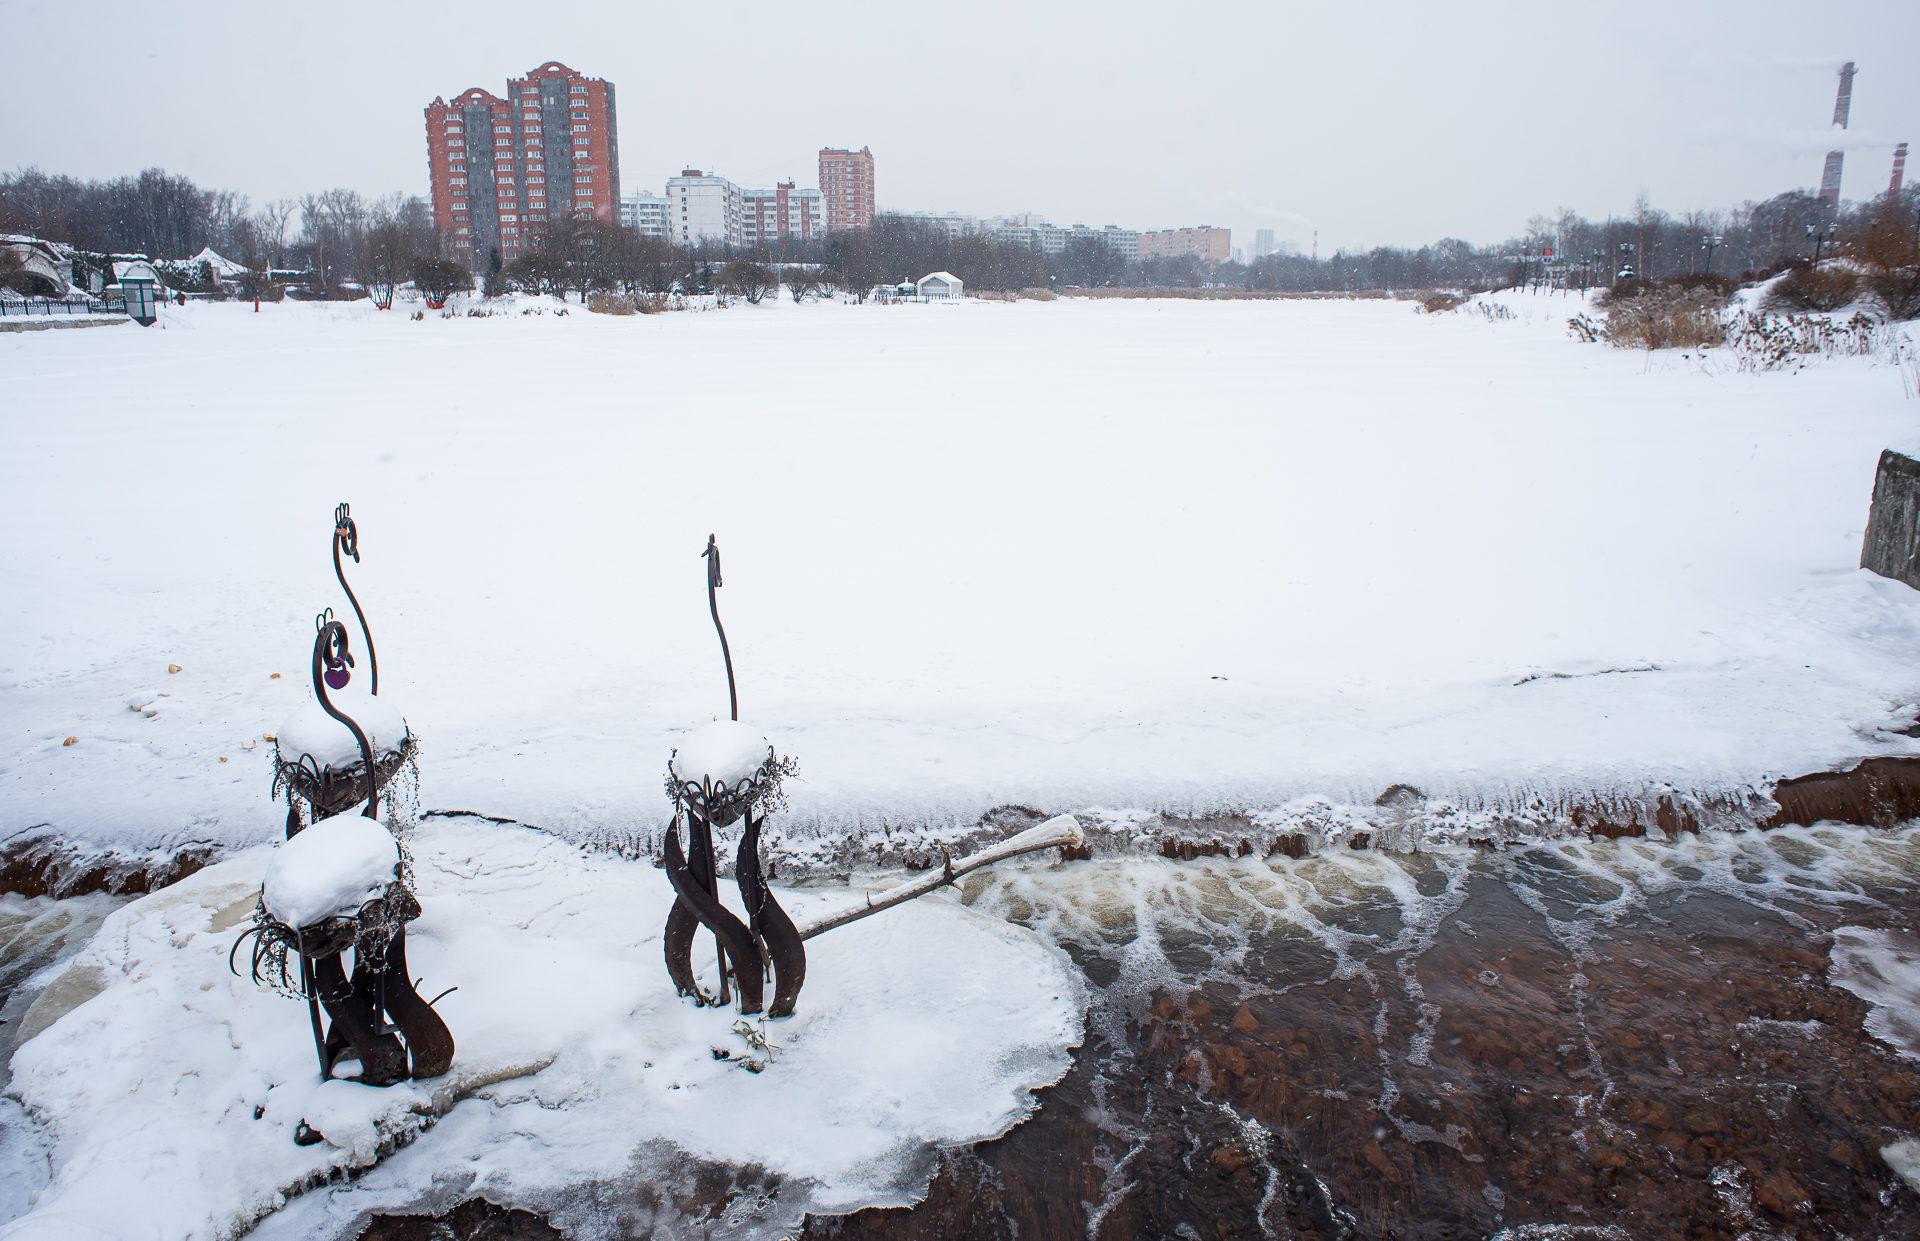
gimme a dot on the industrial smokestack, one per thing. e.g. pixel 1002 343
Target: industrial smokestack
pixel 1842 104
pixel 1899 170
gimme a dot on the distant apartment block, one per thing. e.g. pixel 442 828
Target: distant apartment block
pixel 953 223
pixel 1125 240
pixel 1206 243
pixel 501 169
pixel 1036 234
pixel 782 213
pixel 846 178
pixel 705 208
pixel 1262 242
pixel 644 213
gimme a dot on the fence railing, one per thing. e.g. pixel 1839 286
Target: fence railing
pixel 61 306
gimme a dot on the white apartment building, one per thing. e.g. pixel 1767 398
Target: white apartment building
pixel 1051 239
pixel 645 214
pixel 1125 240
pixel 954 223
pixel 704 208
pixel 781 213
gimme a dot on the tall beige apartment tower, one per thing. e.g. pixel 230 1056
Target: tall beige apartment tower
pixel 846 181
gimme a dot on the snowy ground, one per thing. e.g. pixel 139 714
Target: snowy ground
pixel 169 1089
pixel 1125 554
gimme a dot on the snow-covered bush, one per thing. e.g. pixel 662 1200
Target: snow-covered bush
pixel 611 304
pixel 1765 342
pixel 1888 253
pixel 1814 288
pixel 1675 316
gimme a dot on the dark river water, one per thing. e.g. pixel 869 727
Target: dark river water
pixel 1633 1039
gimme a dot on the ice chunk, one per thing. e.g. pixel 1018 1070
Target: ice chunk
pixel 726 751
pixel 333 867
pixel 1882 967
pixel 1904 1157
pixel 311 731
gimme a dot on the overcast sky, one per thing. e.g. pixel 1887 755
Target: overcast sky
pixel 1382 123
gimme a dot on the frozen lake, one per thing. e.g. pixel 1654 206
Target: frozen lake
pixel 1168 555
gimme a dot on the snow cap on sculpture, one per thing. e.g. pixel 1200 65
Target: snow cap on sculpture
pixel 310 732
pixel 330 870
pixel 724 752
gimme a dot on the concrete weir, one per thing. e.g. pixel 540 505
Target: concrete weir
pixel 1892 542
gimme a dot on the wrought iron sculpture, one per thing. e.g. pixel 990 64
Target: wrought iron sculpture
pixel 768 940
pixel 346 536
pixel 372 1011
pixel 328 791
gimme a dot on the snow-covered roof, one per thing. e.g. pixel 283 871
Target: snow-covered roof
pixel 947 276
pixel 136 269
pixel 221 265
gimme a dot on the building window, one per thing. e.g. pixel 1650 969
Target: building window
pixel 503 129
pixel 578 90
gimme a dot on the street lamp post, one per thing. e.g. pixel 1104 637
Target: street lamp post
pixel 1710 244
pixel 1819 237
pixel 1626 271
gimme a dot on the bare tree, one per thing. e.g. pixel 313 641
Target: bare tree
pixel 386 261
pixel 272 223
pixel 749 280
pixel 438 279
pixel 800 282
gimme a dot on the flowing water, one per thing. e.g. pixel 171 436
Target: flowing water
pixel 1712 1037
pixel 1605 1039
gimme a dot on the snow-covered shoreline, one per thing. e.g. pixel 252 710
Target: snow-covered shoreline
pixel 169 1089
pixel 1151 560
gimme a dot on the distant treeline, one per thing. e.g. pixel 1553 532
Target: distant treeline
pixel 332 234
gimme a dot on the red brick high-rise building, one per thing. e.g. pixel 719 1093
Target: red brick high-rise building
pixel 846 178
pixel 501 169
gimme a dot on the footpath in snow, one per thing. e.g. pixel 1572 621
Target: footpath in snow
pixel 1128 557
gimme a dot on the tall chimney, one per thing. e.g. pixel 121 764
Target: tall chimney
pixel 1842 104
pixel 1899 170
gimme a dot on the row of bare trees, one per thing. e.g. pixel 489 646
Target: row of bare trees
pixel 339 236
pixel 330 237
pixel 1747 242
